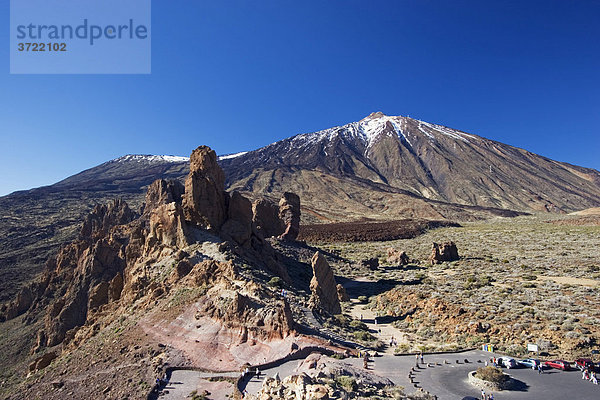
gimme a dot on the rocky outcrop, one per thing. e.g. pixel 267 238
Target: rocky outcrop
pixel 324 293
pixel 289 214
pixel 341 293
pixel 204 198
pixel 253 318
pixel 447 251
pixel 42 361
pixel 266 219
pixel 162 192
pixel 238 226
pixel 111 259
pixel 103 217
pixel 317 377
pixel 396 257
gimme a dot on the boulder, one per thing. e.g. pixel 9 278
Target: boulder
pixel 204 198
pixel 396 257
pixel 289 214
pixel 20 304
pixel 447 251
pixel 371 263
pixel 341 292
pixel 324 293
pixel 42 361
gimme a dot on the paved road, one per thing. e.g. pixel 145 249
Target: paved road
pixel 449 380
pixel 182 382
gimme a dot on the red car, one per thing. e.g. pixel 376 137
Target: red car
pixel 585 363
pixel 558 364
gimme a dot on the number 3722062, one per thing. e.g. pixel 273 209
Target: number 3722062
pixel 42 46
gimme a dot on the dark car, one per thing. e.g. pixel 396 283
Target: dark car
pixel 558 364
pixel 530 363
pixel 585 363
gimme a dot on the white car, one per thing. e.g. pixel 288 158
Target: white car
pixel 507 362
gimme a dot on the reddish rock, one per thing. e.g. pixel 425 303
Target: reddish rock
pixel 162 192
pixel 447 251
pixel 103 217
pixel 341 292
pixel 396 257
pixel 98 295
pixel 204 198
pixel 42 361
pixel 323 287
pixel 289 214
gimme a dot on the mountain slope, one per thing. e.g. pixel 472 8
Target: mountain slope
pixel 426 160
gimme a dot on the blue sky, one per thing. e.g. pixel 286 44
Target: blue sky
pixel 237 75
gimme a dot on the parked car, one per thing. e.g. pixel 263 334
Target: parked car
pixel 530 362
pixel 507 362
pixel 558 364
pixel 585 363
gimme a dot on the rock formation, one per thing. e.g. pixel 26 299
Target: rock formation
pixel 324 292
pixel 266 219
pixel 238 226
pixel 396 257
pixel 341 293
pixel 204 198
pixel 289 213
pixel 447 251
pixel 111 259
pixel 103 217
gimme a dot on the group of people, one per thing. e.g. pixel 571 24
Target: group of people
pixel 589 376
pixel 485 396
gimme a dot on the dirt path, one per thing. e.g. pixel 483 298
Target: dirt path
pixel 382 331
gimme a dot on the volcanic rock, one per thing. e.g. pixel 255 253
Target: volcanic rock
pixel 396 257
pixel 162 192
pixel 289 213
pixel 103 217
pixel 447 251
pixel 266 218
pixel 238 226
pixel 42 361
pixel 323 286
pixel 371 263
pixel 341 292
pixel 204 198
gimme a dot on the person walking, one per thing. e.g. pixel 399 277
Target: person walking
pixel 422 358
pixel 483 395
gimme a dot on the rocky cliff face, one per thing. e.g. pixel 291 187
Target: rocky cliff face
pixel 116 252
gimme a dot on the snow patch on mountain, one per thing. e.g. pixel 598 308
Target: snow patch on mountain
pixel 230 156
pixel 151 158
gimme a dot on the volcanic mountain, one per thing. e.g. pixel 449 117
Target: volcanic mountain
pixel 370 168
pixel 379 168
